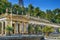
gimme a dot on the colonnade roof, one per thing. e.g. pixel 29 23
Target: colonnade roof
pixel 14 17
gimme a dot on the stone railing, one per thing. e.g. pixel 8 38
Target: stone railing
pixel 43 20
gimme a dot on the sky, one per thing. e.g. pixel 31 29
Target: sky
pixel 42 4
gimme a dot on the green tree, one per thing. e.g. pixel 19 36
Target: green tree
pixel 57 15
pixel 3 0
pixel 57 18
pixel 47 30
pixel 3 5
pixel 16 8
pixel 37 29
pixel 36 11
pixel 30 29
pixel 42 14
pixel 56 11
pixel 9 29
pixel 23 10
pixel 30 9
pixel 58 29
pixel 49 14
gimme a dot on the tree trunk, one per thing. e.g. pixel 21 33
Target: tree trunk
pixel 46 34
pixel 9 33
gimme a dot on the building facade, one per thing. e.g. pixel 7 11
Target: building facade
pixel 18 22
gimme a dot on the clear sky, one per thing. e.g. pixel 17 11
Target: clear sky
pixel 42 4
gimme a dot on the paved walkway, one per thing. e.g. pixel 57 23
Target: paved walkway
pixel 22 37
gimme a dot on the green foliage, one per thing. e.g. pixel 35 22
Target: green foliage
pixel 47 29
pixel 36 11
pixel 23 10
pixel 3 5
pixel 58 29
pixel 51 15
pixel 30 9
pixel 37 29
pixel 30 29
pixel 9 28
pixel 57 18
pixel 42 14
pixel 16 8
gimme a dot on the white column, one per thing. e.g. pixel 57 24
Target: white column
pixel 21 27
pixel 2 27
pixel 27 27
pixel 24 27
pixel 16 27
pixel 11 23
pixel 5 26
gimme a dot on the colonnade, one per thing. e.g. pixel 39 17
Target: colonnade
pixel 2 27
pixel 18 27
